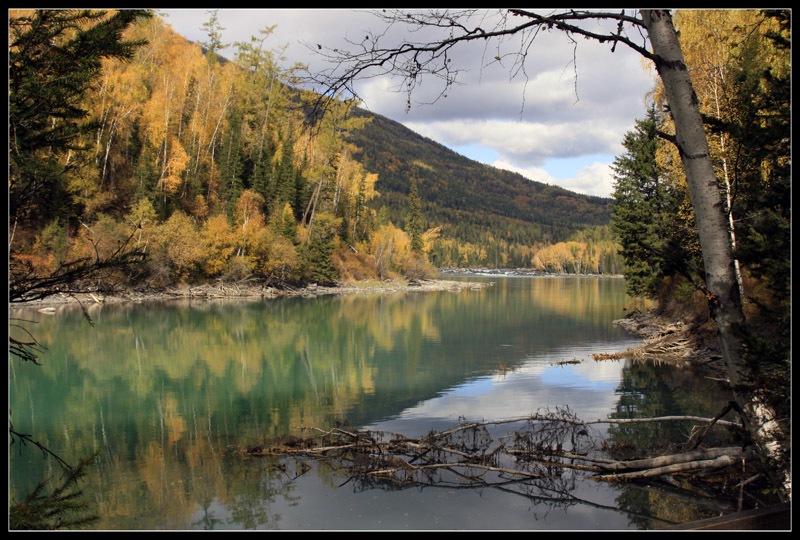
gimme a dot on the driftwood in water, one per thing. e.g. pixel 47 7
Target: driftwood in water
pixel 544 447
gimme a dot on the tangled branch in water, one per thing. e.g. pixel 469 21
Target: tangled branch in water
pixel 552 448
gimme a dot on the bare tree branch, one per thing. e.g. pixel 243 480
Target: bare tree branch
pixel 442 30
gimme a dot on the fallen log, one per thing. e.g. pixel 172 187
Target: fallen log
pixel 716 463
pixel 673 459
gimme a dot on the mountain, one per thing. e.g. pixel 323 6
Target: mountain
pixel 471 201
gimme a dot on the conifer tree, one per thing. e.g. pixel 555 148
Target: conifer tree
pixel 414 221
pixel 644 213
pixel 213 30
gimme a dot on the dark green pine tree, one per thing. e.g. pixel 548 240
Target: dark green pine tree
pixel 285 179
pixel 231 162
pixel 54 56
pixel 761 135
pixel 262 172
pixel 317 254
pixel 214 31
pixel 414 220
pixel 644 214
pixel 301 193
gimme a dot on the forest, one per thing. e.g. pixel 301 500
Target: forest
pixel 214 169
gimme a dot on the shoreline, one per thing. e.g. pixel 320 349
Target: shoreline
pixel 254 291
pixel 237 291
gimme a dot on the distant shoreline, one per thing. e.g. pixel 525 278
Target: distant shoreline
pixel 246 291
pixel 510 272
pixel 255 291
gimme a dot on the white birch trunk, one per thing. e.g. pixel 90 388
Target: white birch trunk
pixel 709 206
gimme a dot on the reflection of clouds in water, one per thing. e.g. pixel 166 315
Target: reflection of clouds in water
pixel 587 388
pixel 589 375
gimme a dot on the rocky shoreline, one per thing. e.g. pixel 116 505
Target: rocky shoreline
pixel 243 291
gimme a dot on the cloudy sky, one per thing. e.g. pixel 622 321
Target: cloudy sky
pixel 561 123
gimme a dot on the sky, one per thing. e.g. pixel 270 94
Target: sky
pixel 561 122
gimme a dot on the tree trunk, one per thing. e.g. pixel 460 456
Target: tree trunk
pixel 725 302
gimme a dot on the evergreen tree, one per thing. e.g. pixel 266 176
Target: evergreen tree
pixel 761 135
pixel 213 30
pixel 284 181
pixel 318 251
pixel 231 162
pixel 262 172
pixel 645 211
pixel 414 222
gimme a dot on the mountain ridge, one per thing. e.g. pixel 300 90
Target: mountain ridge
pixel 465 197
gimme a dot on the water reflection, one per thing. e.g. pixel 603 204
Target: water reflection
pixel 167 393
pixel 587 387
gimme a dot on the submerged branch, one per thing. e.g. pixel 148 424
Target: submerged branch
pixel 468 455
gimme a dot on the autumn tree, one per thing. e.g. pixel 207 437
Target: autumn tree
pixel 651 33
pixel 219 244
pixel 388 246
pixel 176 251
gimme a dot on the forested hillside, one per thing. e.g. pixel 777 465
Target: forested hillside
pixel 501 212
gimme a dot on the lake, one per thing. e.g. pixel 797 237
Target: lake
pixel 168 394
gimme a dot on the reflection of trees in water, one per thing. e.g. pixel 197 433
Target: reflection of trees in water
pixel 251 489
pixel 546 495
pixel 650 506
pixel 649 390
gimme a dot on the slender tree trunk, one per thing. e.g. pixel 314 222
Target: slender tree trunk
pixel 724 298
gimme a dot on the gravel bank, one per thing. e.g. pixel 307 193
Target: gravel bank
pixel 248 291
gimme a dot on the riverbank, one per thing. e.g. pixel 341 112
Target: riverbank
pixel 246 291
pixel 667 339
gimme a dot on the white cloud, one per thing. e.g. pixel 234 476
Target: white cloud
pixel 524 143
pixel 595 179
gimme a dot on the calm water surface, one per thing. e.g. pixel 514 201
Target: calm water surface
pixel 167 393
